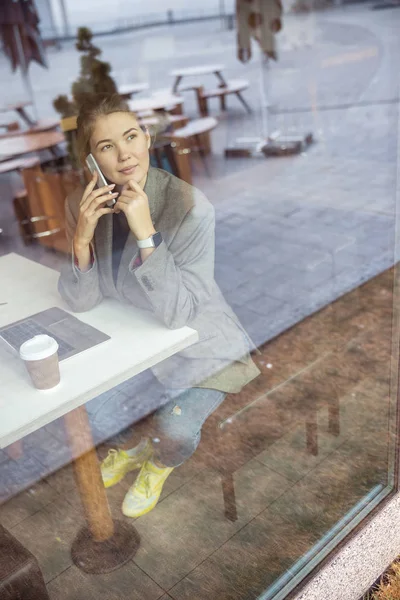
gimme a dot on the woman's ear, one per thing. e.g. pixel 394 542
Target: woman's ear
pixel 148 136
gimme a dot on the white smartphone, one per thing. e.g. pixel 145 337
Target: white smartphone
pixel 92 165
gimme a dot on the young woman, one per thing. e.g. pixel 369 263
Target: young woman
pixel 154 250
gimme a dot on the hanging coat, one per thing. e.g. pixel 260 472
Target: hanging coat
pixel 260 20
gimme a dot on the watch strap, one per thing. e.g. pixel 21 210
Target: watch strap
pixel 152 242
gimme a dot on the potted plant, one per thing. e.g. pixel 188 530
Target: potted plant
pixel 94 78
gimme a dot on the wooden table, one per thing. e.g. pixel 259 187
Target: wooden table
pixel 18 164
pixel 27 288
pixel 19 108
pixel 156 102
pixel 40 127
pixel 26 143
pixel 127 90
pixel 179 74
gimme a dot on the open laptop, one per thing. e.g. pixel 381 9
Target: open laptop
pixel 73 336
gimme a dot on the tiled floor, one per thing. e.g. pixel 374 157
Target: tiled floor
pixel 304 443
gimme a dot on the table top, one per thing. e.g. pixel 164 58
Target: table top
pixel 17 164
pixel 199 70
pixel 156 102
pixel 28 288
pixel 132 88
pixel 39 127
pixel 15 106
pixel 30 142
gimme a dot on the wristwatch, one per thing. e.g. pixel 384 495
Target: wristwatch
pixel 152 242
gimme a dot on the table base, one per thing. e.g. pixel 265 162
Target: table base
pixel 102 557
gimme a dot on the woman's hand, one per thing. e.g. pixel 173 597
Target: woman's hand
pixel 134 203
pixel 90 210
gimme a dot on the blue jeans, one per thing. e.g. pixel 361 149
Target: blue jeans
pixel 177 424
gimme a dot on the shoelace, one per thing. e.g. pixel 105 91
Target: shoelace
pixel 147 485
pixel 110 459
pixel 144 485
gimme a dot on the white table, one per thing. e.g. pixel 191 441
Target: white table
pixel 156 102
pixel 129 89
pixel 179 74
pixel 138 341
pixel 26 143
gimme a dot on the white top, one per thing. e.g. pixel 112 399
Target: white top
pixel 195 127
pixel 38 348
pixel 156 102
pixel 199 70
pixel 132 88
pixel 138 341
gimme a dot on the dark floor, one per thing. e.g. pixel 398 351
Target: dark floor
pixel 304 443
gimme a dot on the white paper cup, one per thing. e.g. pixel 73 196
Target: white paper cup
pixel 40 355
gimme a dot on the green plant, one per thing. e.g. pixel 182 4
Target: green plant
pixel 94 78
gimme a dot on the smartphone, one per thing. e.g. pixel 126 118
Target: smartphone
pixel 92 165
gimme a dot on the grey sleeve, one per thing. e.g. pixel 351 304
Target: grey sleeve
pixel 80 290
pixel 178 280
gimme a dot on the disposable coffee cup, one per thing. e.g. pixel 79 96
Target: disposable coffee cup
pixel 40 355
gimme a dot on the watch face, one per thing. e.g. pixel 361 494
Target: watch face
pixel 157 239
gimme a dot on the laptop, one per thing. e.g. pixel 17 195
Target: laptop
pixel 72 335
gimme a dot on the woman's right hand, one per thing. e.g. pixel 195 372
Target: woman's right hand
pixel 91 208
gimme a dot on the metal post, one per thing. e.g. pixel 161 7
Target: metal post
pixel 222 14
pixel 65 17
pixel 24 68
pixel 52 23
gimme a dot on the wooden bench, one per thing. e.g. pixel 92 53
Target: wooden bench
pixel 39 127
pixel 18 164
pixel 196 135
pixel 9 125
pixel 39 208
pixel 235 87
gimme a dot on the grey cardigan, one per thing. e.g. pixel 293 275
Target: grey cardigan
pixel 176 282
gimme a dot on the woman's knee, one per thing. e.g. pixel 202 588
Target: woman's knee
pixel 173 451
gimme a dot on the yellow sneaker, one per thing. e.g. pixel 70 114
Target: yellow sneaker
pixel 119 462
pixel 143 495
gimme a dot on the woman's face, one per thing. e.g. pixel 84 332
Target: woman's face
pixel 121 148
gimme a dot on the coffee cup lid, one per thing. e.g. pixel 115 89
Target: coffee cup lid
pixel 38 348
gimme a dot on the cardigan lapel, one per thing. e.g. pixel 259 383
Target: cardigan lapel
pixel 103 244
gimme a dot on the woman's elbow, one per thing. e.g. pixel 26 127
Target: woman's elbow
pixel 175 322
pixel 76 302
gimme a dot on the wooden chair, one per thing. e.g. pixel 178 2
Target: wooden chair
pixel 177 156
pixel 196 136
pixel 40 208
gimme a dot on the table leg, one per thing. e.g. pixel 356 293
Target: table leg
pixel 228 490
pixel 312 434
pixel 103 545
pixel 221 78
pixel 24 115
pixel 176 84
pixel 334 416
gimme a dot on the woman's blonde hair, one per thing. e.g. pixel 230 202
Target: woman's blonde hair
pixel 97 106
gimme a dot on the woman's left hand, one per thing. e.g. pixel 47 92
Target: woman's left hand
pixel 135 204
